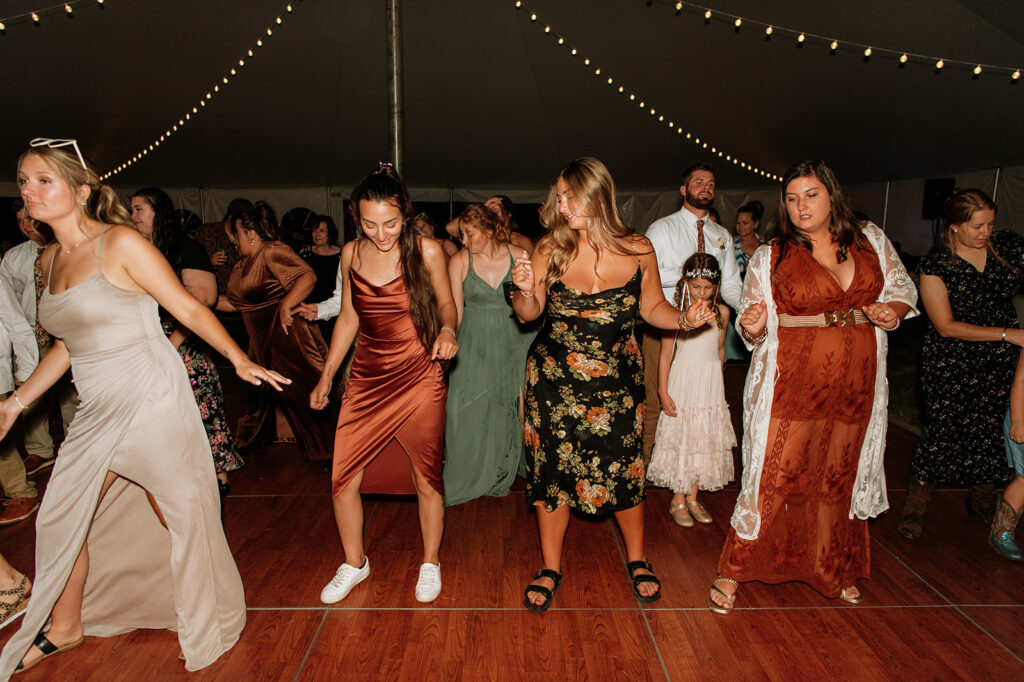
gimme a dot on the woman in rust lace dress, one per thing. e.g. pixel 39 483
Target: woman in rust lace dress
pixel 817 303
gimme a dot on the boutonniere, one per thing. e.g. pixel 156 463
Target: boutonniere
pixel 720 244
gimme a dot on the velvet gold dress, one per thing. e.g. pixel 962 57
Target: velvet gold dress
pixel 256 288
pixel 393 410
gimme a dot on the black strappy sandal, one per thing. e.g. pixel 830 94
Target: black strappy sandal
pixel 541 590
pixel 632 566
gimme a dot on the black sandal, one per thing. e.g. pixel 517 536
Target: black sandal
pixel 48 649
pixel 555 576
pixel 632 566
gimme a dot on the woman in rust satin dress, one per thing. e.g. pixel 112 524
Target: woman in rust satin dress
pixel 815 400
pixel 399 299
pixel 265 286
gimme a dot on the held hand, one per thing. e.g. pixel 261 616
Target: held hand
pixel 218 258
pixel 882 315
pixel 668 406
pixel 445 346
pixel 9 411
pixel 320 395
pixel 306 311
pixel 256 375
pixel 699 313
pixel 522 274
pixel 285 314
pixel 1017 432
pixel 754 318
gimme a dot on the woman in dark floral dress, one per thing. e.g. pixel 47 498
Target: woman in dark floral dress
pixel 970 351
pixel 153 215
pixel 585 388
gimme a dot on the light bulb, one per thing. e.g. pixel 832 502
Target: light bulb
pixel 834 45
pixel 801 38
pixel 768 31
pixel 903 58
pixel 867 52
pixel 707 15
pixel 1015 75
pixel 738 22
pixel 67 8
pixel 939 64
pixel 679 7
pixel 977 69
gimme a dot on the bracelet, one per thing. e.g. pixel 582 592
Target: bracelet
pixel 527 295
pixel 892 329
pixel 1004 333
pixel 683 324
pixel 450 331
pixel 18 400
pixel 754 340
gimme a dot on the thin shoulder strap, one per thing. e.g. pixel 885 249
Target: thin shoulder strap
pixel 99 248
pixel 53 258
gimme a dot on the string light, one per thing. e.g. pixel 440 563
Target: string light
pixel 207 96
pixel 66 8
pixel 833 43
pixel 642 102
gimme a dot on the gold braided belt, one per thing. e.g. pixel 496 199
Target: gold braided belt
pixel 845 317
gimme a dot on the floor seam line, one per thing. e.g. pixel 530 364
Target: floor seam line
pixel 309 650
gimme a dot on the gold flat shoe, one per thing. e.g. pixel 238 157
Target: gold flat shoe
pixel 851 600
pixel 731 598
pixel 698 512
pixel 680 515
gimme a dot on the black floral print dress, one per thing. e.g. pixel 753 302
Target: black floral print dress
pixel 966 384
pixel 585 402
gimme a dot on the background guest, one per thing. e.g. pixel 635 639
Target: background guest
pixel 970 351
pixel 152 213
pixel 483 429
pixel 324 256
pixel 503 208
pixel 267 284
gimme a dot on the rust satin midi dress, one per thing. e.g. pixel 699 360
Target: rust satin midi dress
pixel 820 412
pixel 393 410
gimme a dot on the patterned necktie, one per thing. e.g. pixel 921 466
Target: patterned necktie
pixel 700 236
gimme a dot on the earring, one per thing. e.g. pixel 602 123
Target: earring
pixel 252 242
pixel 81 202
pixel 954 229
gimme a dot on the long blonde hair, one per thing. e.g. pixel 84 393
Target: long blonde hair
pixel 594 190
pixel 103 203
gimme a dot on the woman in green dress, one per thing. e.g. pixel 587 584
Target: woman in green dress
pixel 483 430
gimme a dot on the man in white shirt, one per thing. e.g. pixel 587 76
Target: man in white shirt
pixel 675 238
pixel 17 272
pixel 16 335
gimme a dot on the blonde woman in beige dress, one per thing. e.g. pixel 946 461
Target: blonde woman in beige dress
pixel 129 534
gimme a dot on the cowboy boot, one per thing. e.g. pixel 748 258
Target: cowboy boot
pixel 1000 536
pixel 981 501
pixel 918 495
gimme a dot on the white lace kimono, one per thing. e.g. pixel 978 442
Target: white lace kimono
pixel 869 498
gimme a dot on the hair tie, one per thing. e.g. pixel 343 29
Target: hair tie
pixel 383 167
pixel 55 144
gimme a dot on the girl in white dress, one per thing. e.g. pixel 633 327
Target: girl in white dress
pixel 694 441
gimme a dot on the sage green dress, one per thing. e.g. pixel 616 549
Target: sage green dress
pixel 483 431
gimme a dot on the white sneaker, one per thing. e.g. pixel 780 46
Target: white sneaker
pixel 344 580
pixel 429 584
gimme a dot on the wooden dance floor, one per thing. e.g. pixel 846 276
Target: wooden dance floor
pixel 943 607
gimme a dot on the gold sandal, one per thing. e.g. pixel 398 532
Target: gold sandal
pixel 851 600
pixel 731 598
pixel 698 512
pixel 680 515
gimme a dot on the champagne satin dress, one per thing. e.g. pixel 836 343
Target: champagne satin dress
pixel 139 419
pixel 393 409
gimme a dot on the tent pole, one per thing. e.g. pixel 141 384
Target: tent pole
pixel 202 205
pixel 885 208
pixel 451 201
pixel 396 113
pixel 995 184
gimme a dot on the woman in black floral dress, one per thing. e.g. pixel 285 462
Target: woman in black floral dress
pixel 153 215
pixel 585 388
pixel 970 351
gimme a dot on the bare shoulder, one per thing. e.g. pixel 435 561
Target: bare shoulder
pixel 724 311
pixel 429 247
pixel 545 246
pixel 638 244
